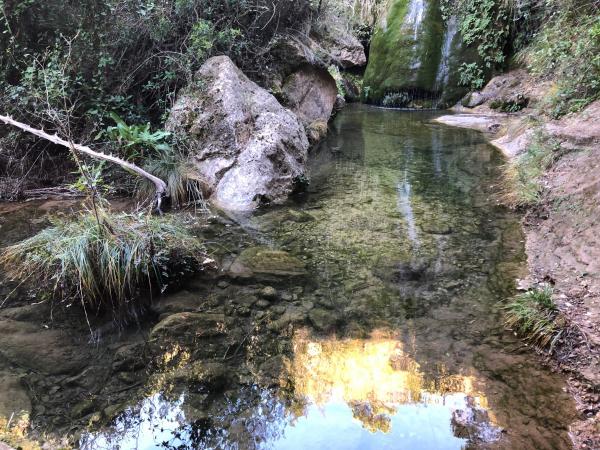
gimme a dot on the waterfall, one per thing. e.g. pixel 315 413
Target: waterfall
pixel 414 17
pixel 413 21
pixel 443 72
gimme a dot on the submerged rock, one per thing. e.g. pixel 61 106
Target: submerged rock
pixel 322 319
pixel 183 301
pixel 266 263
pixel 189 324
pixel 247 148
pixel 47 351
pixel 13 396
pixel 205 376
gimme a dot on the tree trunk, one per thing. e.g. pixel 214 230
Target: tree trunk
pixel 161 186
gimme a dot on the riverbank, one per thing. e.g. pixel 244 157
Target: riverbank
pixel 561 227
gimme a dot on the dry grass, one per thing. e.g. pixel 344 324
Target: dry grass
pixel 111 264
pixel 523 175
pixel 183 183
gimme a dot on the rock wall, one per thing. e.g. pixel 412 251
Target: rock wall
pixel 414 50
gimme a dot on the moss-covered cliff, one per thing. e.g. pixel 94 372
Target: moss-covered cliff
pixel 415 50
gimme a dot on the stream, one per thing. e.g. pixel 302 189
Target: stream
pixel 364 314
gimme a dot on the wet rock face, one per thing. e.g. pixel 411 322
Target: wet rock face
pixel 321 48
pixel 415 51
pixel 311 94
pixel 344 49
pixel 247 148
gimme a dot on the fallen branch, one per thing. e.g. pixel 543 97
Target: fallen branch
pixel 159 184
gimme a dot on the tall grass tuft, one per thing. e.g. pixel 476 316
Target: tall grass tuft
pixel 183 183
pixel 524 173
pixel 108 262
pixel 533 315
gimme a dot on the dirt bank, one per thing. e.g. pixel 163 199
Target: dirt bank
pixel 562 230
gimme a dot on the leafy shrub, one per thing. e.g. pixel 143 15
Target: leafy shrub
pixel 105 260
pixel 484 23
pixel 533 315
pixel 396 100
pixel 150 148
pixel 135 138
pixel 567 49
pixel 471 75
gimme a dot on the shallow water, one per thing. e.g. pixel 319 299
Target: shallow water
pixel 393 336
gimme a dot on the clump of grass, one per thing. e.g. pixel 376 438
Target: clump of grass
pixel 524 173
pixel 107 261
pixel 533 315
pixel 183 183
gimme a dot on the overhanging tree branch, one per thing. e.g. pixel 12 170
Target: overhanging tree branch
pixel 159 184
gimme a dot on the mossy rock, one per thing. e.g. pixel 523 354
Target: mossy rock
pixel 417 53
pixel 405 53
pixel 267 262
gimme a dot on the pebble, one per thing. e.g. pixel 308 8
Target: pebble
pixel 268 292
pixel 263 303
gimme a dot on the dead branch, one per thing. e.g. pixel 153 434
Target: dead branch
pixel 159 184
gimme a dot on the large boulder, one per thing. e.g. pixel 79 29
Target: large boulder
pixel 247 148
pixel 311 93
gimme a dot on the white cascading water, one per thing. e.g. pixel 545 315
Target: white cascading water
pixel 414 17
pixel 443 72
pixel 413 21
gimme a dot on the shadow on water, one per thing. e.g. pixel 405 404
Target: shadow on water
pixel 364 315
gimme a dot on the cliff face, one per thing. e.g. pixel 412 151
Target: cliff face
pixel 415 51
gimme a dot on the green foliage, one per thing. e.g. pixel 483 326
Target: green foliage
pixel 567 49
pixel 90 178
pixel 334 71
pixel 484 23
pixel 128 56
pixel 150 148
pixel 108 262
pixel 533 315
pixel 396 100
pixel 135 139
pixel 524 173
pixel 471 75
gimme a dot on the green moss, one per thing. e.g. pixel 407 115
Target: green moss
pixel 395 52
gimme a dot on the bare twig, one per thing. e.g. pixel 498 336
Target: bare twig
pixel 159 184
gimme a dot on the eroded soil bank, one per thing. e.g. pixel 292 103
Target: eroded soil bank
pixel 367 313
pixel 562 231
